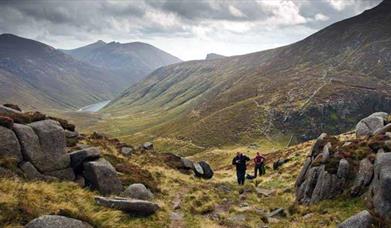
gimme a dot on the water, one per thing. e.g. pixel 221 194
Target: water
pixel 94 107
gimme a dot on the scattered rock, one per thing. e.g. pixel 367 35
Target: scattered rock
pixel 148 146
pixel 56 221
pixel 96 135
pixel 264 191
pixel 63 174
pixel 80 156
pixel 6 111
pixel 187 164
pixel 31 173
pixel 343 169
pixel 317 147
pixel 127 151
pixel 137 191
pixel 361 220
pixel 207 170
pixel 198 171
pixel 279 212
pixel 131 206
pixel 101 175
pixel 277 164
pixel 9 145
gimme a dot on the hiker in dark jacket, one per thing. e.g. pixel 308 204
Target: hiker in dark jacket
pixel 259 161
pixel 240 162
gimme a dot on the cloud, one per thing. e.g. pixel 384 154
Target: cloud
pixel 188 29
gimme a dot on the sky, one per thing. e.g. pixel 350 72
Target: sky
pixel 188 29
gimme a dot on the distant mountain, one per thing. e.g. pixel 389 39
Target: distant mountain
pixel 324 83
pixel 131 61
pixel 214 56
pixel 36 75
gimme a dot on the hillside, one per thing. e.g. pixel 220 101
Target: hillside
pixel 36 75
pixel 131 61
pixel 324 83
pixel 211 56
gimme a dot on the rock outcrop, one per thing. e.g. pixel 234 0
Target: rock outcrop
pixel 9 145
pixel 56 221
pixel 137 191
pixel 361 220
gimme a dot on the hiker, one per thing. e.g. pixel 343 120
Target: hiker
pixel 259 161
pixel 240 162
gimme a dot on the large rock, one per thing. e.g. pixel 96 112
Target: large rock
pixel 300 179
pixel 56 221
pixel 148 146
pixel 187 164
pixel 208 172
pixel 305 190
pixel 9 145
pixel 380 197
pixel 6 111
pixel 31 173
pixel 131 206
pixel 52 142
pixel 363 178
pixel 383 130
pixel 63 174
pixel 102 176
pixel 370 124
pixel 328 186
pixel 198 171
pixel 317 147
pixel 343 169
pixel 80 156
pixel 138 191
pixel 361 220
pixel 30 146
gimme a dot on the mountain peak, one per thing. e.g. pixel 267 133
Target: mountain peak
pixel 211 56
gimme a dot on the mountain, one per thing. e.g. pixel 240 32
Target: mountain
pixel 131 61
pixel 324 83
pixel 36 75
pixel 213 56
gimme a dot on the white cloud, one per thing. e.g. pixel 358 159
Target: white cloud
pixel 321 17
pixel 235 12
pixel 340 4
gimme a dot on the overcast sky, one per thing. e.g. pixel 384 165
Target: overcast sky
pixel 188 29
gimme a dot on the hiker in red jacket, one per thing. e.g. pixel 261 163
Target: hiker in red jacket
pixel 259 161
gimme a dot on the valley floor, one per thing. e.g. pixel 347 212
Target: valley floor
pixel 185 201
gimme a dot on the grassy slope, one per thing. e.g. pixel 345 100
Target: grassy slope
pixel 300 89
pixel 204 203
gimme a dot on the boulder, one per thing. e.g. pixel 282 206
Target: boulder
pixel 131 206
pixel 137 191
pixel 301 177
pixel 52 142
pixel 81 181
pixel 326 152
pixel 148 146
pixel 63 174
pixel 102 176
pixel 72 138
pixel 13 106
pixel 80 156
pixel 369 125
pixel 207 170
pixel 9 145
pixel 56 221
pixel 328 186
pixel 343 169
pixel 305 190
pixel 6 122
pixel 198 171
pixel 31 173
pixel 380 197
pixel 277 164
pixel 363 178
pixel 29 142
pixel 187 164
pixel 6 111
pixel 127 151
pixel 317 147
pixel 361 220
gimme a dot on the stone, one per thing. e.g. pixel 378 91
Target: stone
pixel 13 106
pixel 379 197
pixel 301 177
pixel 137 191
pixel 343 169
pixel 131 206
pixel 6 111
pixel 62 174
pixel 148 146
pixel 279 212
pixel 6 122
pixel 127 151
pixel 277 164
pixel 305 190
pixel 328 186
pixel 207 170
pixel 265 192
pixel 81 181
pixel 56 221
pixel 187 164
pixel 383 130
pixel 52 142
pixel 80 156
pixel 326 152
pixel 31 173
pixel 72 138
pixel 71 134
pixel 361 220
pixel 382 115
pixel 9 145
pixel 369 125
pixel 363 178
pixel 102 176
pixel 198 169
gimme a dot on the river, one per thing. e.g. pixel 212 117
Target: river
pixel 94 107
